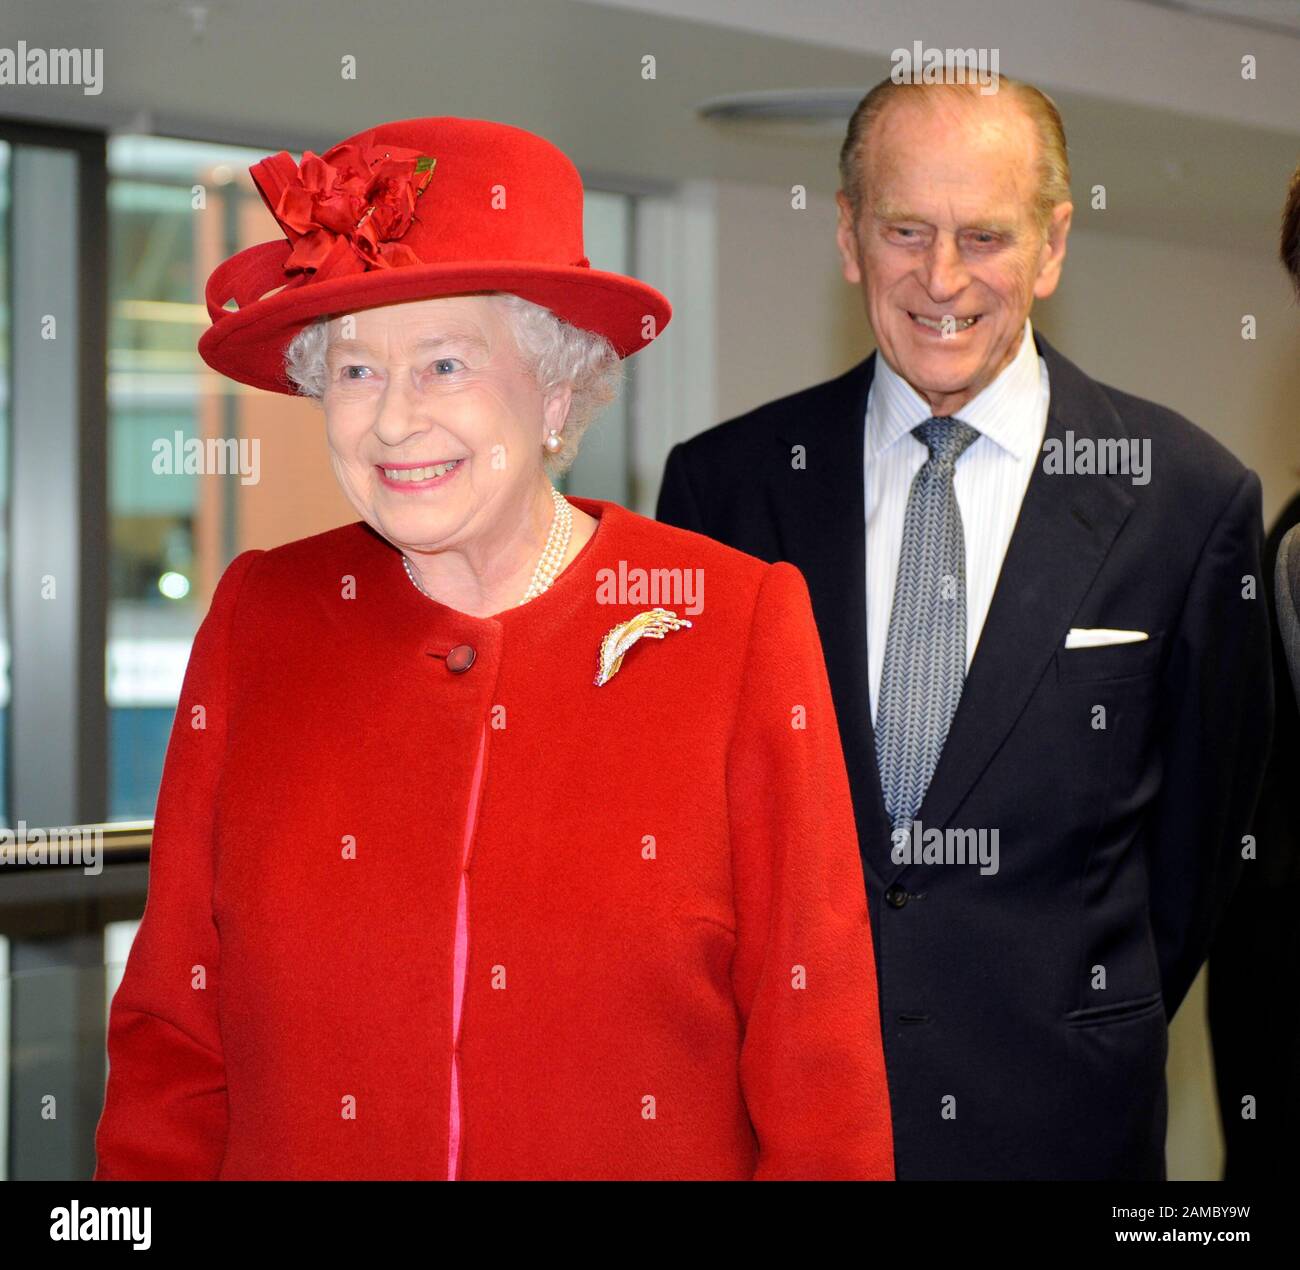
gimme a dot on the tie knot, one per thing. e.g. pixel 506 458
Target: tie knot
pixel 946 438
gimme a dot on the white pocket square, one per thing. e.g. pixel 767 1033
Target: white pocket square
pixel 1096 637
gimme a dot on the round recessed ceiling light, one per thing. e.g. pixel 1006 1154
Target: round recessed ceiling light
pixel 793 111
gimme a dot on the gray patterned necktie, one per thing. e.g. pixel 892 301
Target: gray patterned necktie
pixel 925 653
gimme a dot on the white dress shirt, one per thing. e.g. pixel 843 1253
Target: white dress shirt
pixel 990 480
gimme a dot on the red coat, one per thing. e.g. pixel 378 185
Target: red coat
pixel 665 964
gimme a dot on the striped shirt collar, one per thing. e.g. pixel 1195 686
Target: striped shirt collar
pixel 1005 411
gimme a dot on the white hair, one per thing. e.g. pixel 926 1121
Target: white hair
pixel 556 353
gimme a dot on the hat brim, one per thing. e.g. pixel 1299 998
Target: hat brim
pixel 248 344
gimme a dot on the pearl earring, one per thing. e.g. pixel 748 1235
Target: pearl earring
pixel 553 442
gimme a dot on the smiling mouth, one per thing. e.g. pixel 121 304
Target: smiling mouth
pixel 937 324
pixel 429 473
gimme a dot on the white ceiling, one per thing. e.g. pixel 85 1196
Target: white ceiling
pixel 1153 98
pixel 1282 16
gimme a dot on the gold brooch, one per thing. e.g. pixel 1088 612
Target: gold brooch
pixel 652 624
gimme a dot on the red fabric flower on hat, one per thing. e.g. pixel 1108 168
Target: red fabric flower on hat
pixel 344 211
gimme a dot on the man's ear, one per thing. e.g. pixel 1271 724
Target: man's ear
pixel 846 239
pixel 1052 256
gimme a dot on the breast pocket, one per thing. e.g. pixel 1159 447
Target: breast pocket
pixel 1110 661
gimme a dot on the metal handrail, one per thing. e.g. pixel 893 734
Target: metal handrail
pixel 122 842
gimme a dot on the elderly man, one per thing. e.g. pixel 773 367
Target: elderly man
pixel 1048 651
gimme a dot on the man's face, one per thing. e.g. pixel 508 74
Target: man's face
pixel 947 250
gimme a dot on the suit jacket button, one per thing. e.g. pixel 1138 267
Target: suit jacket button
pixel 460 659
pixel 895 897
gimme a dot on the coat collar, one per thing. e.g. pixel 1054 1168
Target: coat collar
pixel 1005 411
pixel 1066 526
pixel 410 615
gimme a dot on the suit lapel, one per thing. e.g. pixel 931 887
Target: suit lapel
pixel 821 526
pixel 1066 526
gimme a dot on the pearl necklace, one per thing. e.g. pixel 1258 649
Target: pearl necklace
pixel 557 547
pixel 552 557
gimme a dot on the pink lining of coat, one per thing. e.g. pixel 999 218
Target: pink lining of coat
pixel 462 959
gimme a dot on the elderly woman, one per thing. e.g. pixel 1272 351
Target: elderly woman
pixel 484 847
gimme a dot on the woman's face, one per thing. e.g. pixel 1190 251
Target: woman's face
pixel 435 427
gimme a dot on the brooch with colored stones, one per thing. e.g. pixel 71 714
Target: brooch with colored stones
pixel 652 624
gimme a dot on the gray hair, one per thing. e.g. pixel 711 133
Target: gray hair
pixel 1053 156
pixel 556 353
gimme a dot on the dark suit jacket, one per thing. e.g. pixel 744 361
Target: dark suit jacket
pixel 1254 973
pixel 1119 845
pixel 1288 594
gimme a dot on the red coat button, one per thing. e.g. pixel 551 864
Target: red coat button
pixel 460 659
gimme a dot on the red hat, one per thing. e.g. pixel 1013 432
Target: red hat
pixel 411 211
